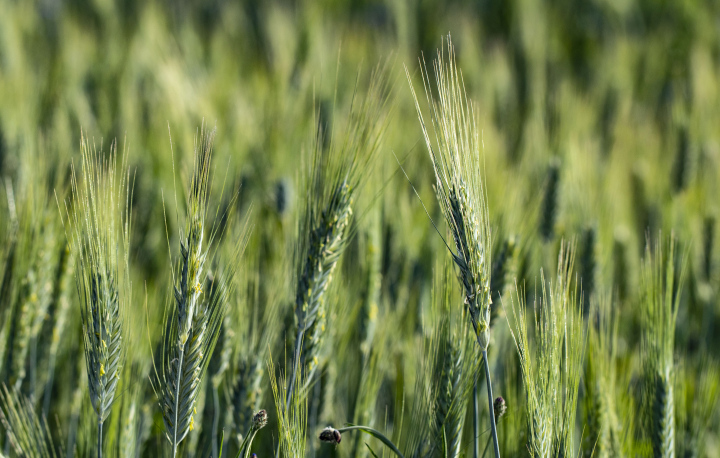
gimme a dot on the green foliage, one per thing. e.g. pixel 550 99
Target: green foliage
pixel 546 124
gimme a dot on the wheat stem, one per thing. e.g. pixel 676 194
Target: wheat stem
pixel 99 438
pixel 493 426
pixel 476 422
pixel 375 433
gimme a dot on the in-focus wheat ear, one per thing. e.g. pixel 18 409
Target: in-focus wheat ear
pixel 333 178
pixel 195 314
pixel 661 296
pixel 460 189
pixel 98 230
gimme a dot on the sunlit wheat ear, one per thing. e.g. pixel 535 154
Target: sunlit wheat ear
pixel 660 307
pixel 459 183
pixel 460 189
pixel 28 434
pixel 455 368
pixel 98 229
pixel 292 417
pixel 332 180
pixel 551 363
pixel 603 425
pixel 196 313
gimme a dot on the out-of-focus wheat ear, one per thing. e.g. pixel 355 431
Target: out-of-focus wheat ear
pixel 246 395
pixel 450 417
pixel 588 268
pixel 604 425
pixel 504 272
pixel 28 434
pixel 550 200
pixel 332 180
pixel 660 308
pixel 60 309
pixel 292 417
pixel 663 416
pixel 709 225
pixel 621 271
pixel 681 166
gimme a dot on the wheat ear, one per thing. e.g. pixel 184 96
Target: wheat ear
pixel 334 177
pixel 28 434
pixel 661 296
pixel 193 322
pixel 99 231
pixel 460 189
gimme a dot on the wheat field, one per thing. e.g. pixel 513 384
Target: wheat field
pixel 364 228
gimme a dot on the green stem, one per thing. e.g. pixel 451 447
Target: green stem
pixel 244 451
pixel 99 442
pixel 375 433
pixel 476 422
pixel 493 427
pixel 216 421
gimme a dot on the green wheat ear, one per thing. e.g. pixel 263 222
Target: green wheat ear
pixel 28 434
pixel 660 308
pixel 194 317
pixel 603 424
pixel 333 177
pixel 98 229
pixel 551 363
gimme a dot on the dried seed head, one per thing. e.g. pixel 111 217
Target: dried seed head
pixel 259 420
pixel 330 435
pixel 499 407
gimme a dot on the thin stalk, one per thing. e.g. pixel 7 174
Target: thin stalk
pixel 375 433
pixel 493 427
pixel 216 421
pixel 99 443
pixel 476 422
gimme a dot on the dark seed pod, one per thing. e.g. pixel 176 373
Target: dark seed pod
pixel 499 407
pixel 330 435
pixel 259 420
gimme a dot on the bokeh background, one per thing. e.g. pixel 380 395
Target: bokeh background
pixel 599 123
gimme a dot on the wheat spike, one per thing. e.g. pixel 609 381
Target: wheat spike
pixel 198 308
pixel 99 232
pixel 552 366
pixel 660 315
pixel 28 434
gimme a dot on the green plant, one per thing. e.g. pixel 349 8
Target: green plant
pixel 193 321
pixel 551 364
pixel 662 291
pixel 98 231
pixel 460 189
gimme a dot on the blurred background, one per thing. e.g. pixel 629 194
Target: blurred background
pixel 599 123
